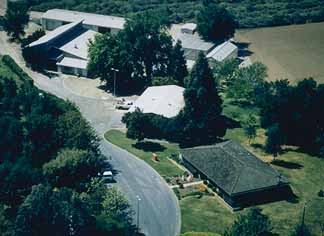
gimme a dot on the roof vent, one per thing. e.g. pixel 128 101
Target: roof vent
pixel 75 46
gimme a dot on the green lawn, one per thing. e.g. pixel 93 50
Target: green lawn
pixel 7 72
pixel 163 150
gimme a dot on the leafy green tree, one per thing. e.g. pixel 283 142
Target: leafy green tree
pixel 72 168
pixel 16 18
pixel 250 127
pixel 135 123
pixel 159 81
pixel 116 215
pixel 254 223
pixel 48 211
pixel 201 117
pixel 215 23
pixel 243 84
pixel 141 51
pixel 274 140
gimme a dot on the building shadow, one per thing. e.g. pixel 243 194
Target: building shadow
pixel 148 146
pixel 243 49
pixel 283 193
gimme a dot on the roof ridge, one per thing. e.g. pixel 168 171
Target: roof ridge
pixel 236 180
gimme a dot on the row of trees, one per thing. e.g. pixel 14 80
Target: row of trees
pixel 248 13
pixel 49 165
pixel 141 51
pixel 200 121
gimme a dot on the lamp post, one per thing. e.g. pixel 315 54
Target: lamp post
pixel 114 70
pixel 138 209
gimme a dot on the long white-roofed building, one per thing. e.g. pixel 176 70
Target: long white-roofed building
pixel 101 23
pixel 165 100
pixel 65 46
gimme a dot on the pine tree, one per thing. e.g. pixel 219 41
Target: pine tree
pixel 201 117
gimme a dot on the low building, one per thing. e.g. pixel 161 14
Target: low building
pixel 65 49
pixel 165 100
pixel 192 43
pixel 55 18
pixel 240 178
pixel 224 51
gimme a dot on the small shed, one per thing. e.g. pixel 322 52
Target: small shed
pixel 188 28
pixel 224 51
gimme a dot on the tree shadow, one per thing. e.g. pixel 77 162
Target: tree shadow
pixel 231 123
pixel 287 164
pixel 148 146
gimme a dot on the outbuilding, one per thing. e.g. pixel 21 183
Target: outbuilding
pixel 224 51
pixel 237 176
pixel 164 100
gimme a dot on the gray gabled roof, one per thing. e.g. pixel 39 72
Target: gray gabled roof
pixel 232 168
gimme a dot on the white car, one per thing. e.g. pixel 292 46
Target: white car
pixel 107 176
pixel 123 105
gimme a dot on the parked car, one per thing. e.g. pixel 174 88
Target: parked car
pixel 107 176
pixel 123 105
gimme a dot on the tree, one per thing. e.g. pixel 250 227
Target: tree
pixel 60 211
pixel 215 23
pixel 141 51
pixel 242 86
pixel 135 123
pixel 249 127
pixel 72 168
pixel 179 64
pixel 274 140
pixel 16 18
pixel 254 223
pixel 201 117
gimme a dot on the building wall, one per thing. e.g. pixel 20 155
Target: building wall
pixel 51 24
pixel 72 71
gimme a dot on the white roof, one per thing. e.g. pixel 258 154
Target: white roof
pixel 55 33
pixel 73 62
pixel 189 26
pixel 222 51
pixel 189 41
pixel 89 18
pixel 79 46
pixel 161 100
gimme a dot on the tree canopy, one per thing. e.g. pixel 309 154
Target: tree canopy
pixel 50 160
pixel 139 52
pixel 16 18
pixel 214 22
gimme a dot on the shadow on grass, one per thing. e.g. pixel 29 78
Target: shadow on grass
pixel 243 49
pixel 287 164
pixel 148 146
pixel 231 123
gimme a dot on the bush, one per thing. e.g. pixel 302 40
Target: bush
pixel 8 61
pixel 320 193
pixel 33 37
pixel 177 193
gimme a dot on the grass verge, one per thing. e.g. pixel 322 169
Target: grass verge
pixel 144 151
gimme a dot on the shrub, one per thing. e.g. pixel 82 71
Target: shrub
pixel 177 193
pixel 8 61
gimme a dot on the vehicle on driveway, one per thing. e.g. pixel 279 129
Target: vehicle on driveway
pixel 123 105
pixel 107 176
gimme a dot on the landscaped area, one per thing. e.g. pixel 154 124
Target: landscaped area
pixel 293 52
pixel 302 170
pixel 144 150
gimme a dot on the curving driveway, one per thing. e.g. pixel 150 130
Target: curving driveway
pixel 159 211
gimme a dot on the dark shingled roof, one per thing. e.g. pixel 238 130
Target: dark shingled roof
pixel 234 169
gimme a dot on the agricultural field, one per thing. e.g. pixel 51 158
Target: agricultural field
pixel 293 52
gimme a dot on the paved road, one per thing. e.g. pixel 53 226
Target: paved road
pixel 159 210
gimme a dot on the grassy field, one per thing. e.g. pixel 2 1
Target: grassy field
pixel 293 52
pixel 164 167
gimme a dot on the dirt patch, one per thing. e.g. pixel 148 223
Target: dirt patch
pixel 293 52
